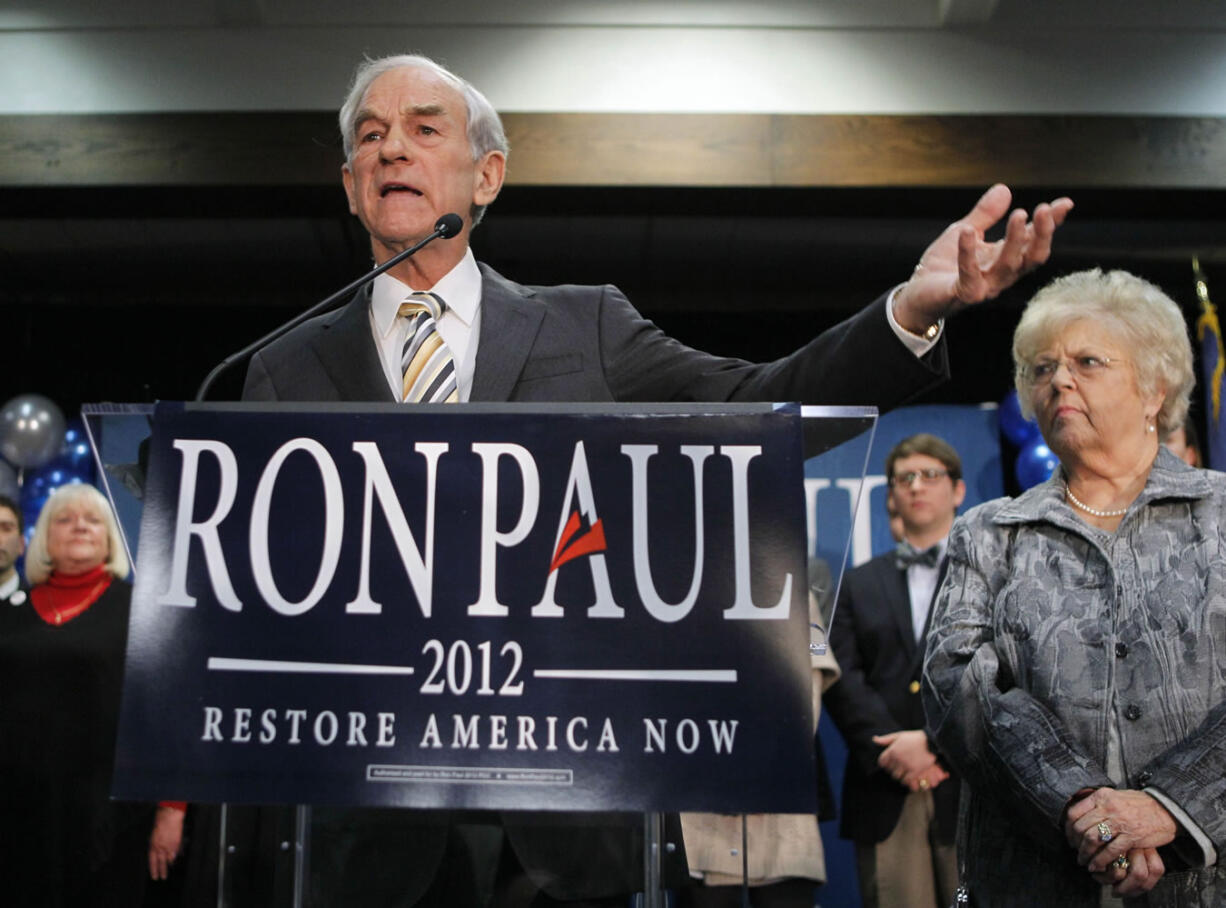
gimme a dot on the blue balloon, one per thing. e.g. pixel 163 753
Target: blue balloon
pixel 76 454
pixel 74 457
pixel 1035 464
pixel 32 500
pixel 38 486
pixel 1017 428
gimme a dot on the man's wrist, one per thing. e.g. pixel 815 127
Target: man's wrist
pixel 918 328
pixel 918 344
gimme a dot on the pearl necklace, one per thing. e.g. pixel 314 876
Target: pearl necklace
pixel 1089 510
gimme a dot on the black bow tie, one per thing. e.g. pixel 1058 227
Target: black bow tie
pixel 906 555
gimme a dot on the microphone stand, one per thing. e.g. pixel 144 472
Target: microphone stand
pixel 446 227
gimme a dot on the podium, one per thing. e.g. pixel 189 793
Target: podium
pixel 474 624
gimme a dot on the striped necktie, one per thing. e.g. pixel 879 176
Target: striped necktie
pixel 425 361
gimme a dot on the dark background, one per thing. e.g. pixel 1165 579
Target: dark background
pixel 133 294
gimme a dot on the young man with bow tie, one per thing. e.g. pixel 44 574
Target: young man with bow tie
pixel 899 801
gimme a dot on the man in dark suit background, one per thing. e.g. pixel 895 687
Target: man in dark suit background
pixel 419 143
pixel 900 803
pixel 13 589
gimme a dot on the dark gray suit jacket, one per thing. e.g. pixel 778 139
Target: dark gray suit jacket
pixel 577 344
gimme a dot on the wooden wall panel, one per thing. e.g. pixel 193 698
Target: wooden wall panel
pixel 698 150
pixel 174 149
pixel 640 149
pixel 1136 152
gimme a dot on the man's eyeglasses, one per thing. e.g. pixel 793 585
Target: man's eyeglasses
pixel 928 477
pixel 1086 367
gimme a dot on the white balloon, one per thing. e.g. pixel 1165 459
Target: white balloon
pixel 31 430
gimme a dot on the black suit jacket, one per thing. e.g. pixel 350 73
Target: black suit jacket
pixel 873 639
pixel 575 344
pixel 19 597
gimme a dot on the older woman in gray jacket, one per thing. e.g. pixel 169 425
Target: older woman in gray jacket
pixel 1076 667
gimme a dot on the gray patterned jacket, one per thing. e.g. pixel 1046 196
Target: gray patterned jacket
pixel 1048 632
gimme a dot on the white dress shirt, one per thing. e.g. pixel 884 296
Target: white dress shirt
pixel 460 289
pixel 922 586
pixel 913 342
pixel 9 587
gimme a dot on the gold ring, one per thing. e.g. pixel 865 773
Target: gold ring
pixel 923 784
pixel 1122 863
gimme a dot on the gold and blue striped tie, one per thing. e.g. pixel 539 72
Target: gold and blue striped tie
pixel 425 361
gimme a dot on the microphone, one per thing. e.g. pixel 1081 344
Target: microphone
pixel 444 229
pixel 447 227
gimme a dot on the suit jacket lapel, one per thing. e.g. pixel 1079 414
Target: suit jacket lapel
pixel 510 320
pixel 897 597
pixel 346 350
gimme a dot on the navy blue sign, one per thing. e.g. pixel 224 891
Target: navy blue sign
pixel 471 607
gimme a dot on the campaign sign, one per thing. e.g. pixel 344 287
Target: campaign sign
pixel 471 607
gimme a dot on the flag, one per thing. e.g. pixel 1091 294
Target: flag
pixel 1213 366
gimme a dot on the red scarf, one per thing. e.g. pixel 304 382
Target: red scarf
pixel 65 596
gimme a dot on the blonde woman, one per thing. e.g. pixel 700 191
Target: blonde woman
pixel 63 842
pixel 1076 667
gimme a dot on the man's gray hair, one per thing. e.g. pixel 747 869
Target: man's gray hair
pixel 485 132
pixel 1138 314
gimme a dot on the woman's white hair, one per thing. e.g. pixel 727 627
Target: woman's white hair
pixel 485 132
pixel 1137 313
pixel 38 561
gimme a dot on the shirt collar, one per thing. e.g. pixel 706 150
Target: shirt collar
pixel 460 288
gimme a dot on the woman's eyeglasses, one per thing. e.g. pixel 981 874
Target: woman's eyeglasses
pixel 1086 367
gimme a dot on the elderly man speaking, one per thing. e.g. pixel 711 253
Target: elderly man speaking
pixel 420 142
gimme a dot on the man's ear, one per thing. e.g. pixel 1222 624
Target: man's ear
pixel 347 179
pixel 959 493
pixel 488 175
